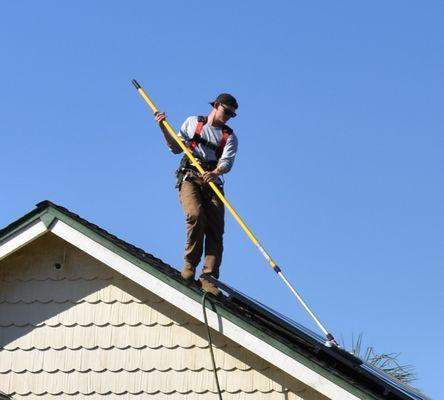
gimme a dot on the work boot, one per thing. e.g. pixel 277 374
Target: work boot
pixel 209 287
pixel 188 272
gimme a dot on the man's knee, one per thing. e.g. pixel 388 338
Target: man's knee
pixel 195 215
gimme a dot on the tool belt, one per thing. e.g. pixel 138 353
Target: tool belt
pixel 186 167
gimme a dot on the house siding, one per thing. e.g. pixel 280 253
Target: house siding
pixel 71 327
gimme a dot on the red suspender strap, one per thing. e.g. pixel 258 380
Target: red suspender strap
pixel 225 135
pixel 200 124
pixel 223 142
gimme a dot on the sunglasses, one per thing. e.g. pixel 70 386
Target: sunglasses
pixel 228 112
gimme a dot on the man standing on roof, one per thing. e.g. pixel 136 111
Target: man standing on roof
pixel 214 145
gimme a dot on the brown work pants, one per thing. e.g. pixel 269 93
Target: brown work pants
pixel 204 213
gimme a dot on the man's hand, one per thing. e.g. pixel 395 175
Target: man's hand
pixel 159 116
pixel 209 176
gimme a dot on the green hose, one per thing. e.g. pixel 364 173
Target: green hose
pixel 210 344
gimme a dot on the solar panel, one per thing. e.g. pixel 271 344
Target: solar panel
pixel 290 328
pixel 401 386
pixel 260 307
pixel 265 314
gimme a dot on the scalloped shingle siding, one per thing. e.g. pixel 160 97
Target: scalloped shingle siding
pixel 85 332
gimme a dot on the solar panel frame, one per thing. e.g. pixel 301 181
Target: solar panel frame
pixel 394 389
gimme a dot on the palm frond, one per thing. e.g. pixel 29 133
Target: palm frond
pixel 387 362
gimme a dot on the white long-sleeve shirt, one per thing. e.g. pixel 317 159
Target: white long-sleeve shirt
pixel 211 134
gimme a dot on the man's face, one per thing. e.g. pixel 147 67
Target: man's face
pixel 224 112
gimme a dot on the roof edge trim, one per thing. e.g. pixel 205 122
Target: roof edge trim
pixel 21 237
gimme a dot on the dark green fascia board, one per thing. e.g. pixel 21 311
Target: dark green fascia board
pixel 27 220
pixel 48 219
pixel 50 215
pixel 21 224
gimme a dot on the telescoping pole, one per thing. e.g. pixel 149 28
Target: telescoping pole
pixel 233 212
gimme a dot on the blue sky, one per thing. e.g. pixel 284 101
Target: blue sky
pixel 341 156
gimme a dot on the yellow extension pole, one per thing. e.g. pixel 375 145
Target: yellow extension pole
pixel 232 210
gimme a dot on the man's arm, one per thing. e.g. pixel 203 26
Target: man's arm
pixel 226 161
pixel 172 144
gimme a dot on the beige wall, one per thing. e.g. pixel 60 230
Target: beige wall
pixel 84 329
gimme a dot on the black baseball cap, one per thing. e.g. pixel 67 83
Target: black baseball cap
pixel 227 99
